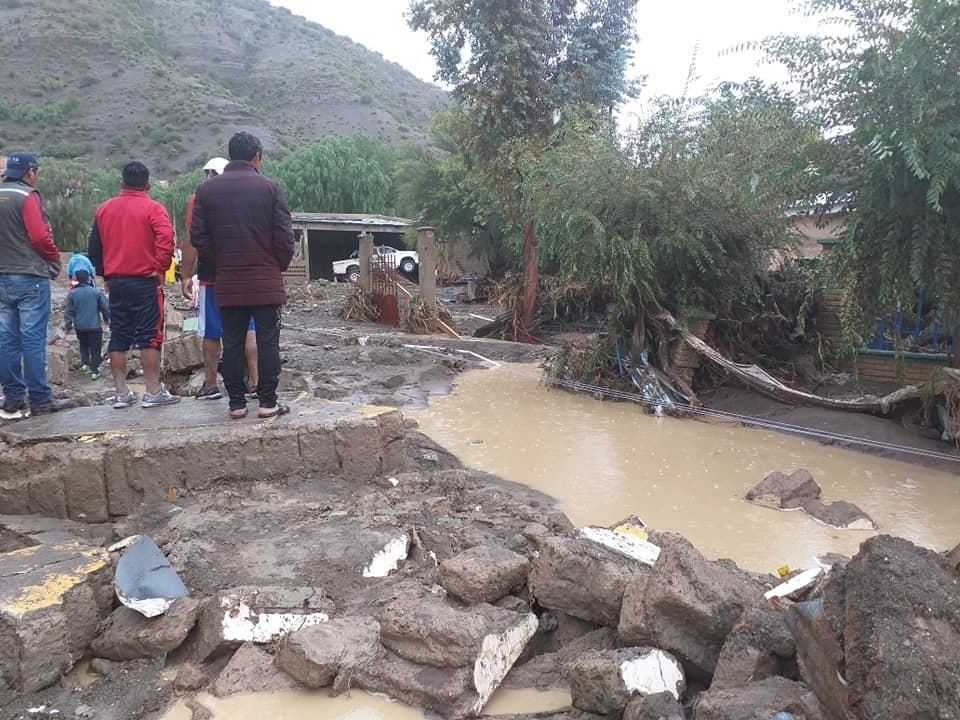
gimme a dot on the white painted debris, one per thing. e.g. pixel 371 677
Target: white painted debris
pixel 794 584
pixel 630 544
pixel 393 481
pixel 241 623
pixel 653 673
pixel 144 580
pixel 387 560
pixel 498 653
pixel 123 544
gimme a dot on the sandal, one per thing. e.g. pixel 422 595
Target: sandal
pixel 238 414
pixel 280 409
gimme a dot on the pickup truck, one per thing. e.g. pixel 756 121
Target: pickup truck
pixel 404 260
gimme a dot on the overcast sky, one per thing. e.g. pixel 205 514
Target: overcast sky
pixel 669 32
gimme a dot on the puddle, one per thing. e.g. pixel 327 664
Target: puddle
pixel 357 705
pixel 80 676
pixel 604 461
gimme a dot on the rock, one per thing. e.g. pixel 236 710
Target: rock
pixel 484 573
pixel 545 672
pixel 513 603
pixel 839 514
pixel 603 682
pixel 59 358
pixel 662 706
pixel 49 610
pixel 128 635
pixel 315 655
pixel 583 578
pixel 182 353
pixel 251 670
pixel 557 630
pixel 102 666
pixel 757 701
pixel 759 646
pixel 190 677
pixel 687 606
pixel 901 631
pixel 781 491
pixel 430 631
pixel 258 615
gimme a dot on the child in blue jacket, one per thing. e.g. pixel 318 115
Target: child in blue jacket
pixel 85 305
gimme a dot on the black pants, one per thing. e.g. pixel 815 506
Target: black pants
pixel 235 322
pixel 91 348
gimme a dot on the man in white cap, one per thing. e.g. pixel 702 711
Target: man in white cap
pixel 211 328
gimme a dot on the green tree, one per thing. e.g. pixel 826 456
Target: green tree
pixel 886 87
pixel 518 70
pixel 71 192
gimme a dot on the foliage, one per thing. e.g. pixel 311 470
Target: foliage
pixel 71 192
pixel 885 86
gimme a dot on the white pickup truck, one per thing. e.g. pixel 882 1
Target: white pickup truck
pixel 404 260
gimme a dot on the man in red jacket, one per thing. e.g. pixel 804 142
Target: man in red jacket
pixel 131 245
pixel 242 224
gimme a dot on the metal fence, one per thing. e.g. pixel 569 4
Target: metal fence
pixel 383 288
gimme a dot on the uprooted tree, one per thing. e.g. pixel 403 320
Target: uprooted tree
pixel 518 71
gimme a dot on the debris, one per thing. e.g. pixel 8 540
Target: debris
pixel 626 540
pixel 757 701
pixel 839 514
pixel 484 573
pixel 794 585
pixel 603 681
pixel 387 560
pixel 316 655
pixel 759 646
pixel 784 492
pixel 190 677
pixel 662 706
pixel 144 580
pixel 251 670
pixel 127 634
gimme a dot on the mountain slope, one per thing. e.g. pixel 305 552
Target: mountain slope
pixel 168 81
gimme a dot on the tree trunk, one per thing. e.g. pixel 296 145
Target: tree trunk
pixel 956 348
pixel 530 280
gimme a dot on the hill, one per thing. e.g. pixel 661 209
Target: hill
pixel 167 81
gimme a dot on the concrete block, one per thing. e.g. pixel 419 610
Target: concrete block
pixel 388 558
pixel 781 491
pixel 761 700
pixel 48 610
pixel 86 488
pixel 318 451
pixel 257 615
pixel 128 635
pixel 603 681
pixel 358 448
pixel 662 706
pixel 120 499
pixel 58 363
pixel 252 670
pixel 316 655
pixel 759 646
pixel 182 353
pixel 484 573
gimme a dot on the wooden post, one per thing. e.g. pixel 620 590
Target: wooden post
pixel 364 255
pixel 427 250
pixel 305 244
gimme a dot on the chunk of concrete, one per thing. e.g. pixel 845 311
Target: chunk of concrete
pixel 784 492
pixel 315 655
pixel 388 558
pixel 190 677
pixel 662 706
pixel 603 682
pixel 687 606
pixel 182 353
pixel 128 635
pixel 757 701
pixel 583 578
pixel 901 631
pixel 447 691
pixel 484 573
pixel 545 671
pixel 759 646
pixel 251 670
pixel 839 514
pixel 256 615
pixel 48 610
pixel 796 585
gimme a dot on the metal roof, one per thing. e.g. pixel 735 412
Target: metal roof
pixel 352 221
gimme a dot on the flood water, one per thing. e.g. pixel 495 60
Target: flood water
pixel 604 461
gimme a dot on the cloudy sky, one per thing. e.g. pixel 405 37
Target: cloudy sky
pixel 670 32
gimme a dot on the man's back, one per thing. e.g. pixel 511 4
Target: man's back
pixel 136 235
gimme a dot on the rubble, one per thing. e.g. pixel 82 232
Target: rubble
pixel 316 655
pixel 603 682
pixel 784 492
pixel 484 573
pixel 251 669
pixel 758 646
pixel 662 706
pixel 127 635
pixel 760 700
pixel 144 580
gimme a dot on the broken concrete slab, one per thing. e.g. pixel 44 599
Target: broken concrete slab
pixel 256 615
pixel 182 352
pixel 389 557
pixel 128 635
pixel 840 514
pixel 603 682
pixel 662 706
pixel 582 578
pixel 795 585
pixel 819 655
pixel 190 677
pixel 901 602
pixel 687 606
pixel 251 669
pixel 49 610
pixel 784 492
pixel 757 701
pixel 545 671
pixel 758 646
pixel 484 573
pixel 315 655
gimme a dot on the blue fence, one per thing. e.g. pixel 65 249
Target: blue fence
pixel 918 330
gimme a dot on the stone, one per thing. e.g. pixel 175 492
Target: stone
pixel 781 491
pixel 901 631
pixel 662 706
pixel 582 578
pixel 102 666
pixel 190 677
pixel 182 353
pixel 315 655
pixel 49 610
pixel 258 615
pixel 484 573
pixel 757 701
pixel 58 363
pixel 687 606
pixel 839 514
pixel 249 670
pixel 128 635
pixel 545 672
pixel 758 646
pixel 603 682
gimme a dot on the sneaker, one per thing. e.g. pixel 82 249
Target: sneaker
pixel 124 401
pixel 209 393
pixel 94 376
pixel 52 405
pixel 164 397
pixel 84 368
pixel 14 410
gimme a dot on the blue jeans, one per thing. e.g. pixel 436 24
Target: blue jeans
pixel 24 314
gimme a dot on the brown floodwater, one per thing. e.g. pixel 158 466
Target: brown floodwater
pixel 604 461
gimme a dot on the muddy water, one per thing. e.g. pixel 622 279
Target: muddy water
pixel 605 461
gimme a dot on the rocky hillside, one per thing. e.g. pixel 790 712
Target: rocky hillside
pixel 168 81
